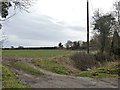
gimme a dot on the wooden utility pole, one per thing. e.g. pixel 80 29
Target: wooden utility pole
pixel 87 26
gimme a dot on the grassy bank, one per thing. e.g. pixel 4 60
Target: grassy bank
pixel 109 70
pixel 51 66
pixel 9 80
pixel 27 68
pixel 66 62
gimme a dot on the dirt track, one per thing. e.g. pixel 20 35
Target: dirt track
pixel 52 80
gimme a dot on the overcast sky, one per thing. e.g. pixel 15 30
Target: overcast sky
pixel 51 21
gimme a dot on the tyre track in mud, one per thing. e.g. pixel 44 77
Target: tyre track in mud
pixel 53 80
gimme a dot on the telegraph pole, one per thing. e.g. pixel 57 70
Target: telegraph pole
pixel 87 26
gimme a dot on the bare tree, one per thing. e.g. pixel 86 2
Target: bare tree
pixel 4 11
pixel 117 10
pixel 17 4
pixel 116 28
pixel 69 44
pixel 116 13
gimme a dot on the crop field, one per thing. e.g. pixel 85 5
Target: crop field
pixel 35 53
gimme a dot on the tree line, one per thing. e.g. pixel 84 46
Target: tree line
pixel 76 45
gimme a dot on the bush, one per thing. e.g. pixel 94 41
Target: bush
pixel 84 61
pixel 117 51
pixel 102 58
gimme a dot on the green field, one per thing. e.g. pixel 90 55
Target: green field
pixel 35 53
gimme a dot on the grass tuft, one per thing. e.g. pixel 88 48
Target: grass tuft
pixel 107 71
pixel 27 68
pixel 51 65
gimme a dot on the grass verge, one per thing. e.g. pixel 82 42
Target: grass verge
pixel 9 79
pixel 0 73
pixel 27 68
pixel 106 71
pixel 51 65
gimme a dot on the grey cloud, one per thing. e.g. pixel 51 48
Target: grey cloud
pixel 40 27
pixel 77 28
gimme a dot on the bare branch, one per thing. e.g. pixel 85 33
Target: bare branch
pixel 8 17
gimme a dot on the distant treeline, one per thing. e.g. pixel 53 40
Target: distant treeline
pixel 30 48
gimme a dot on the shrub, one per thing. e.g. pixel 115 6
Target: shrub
pixel 84 61
pixel 117 51
pixel 102 58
